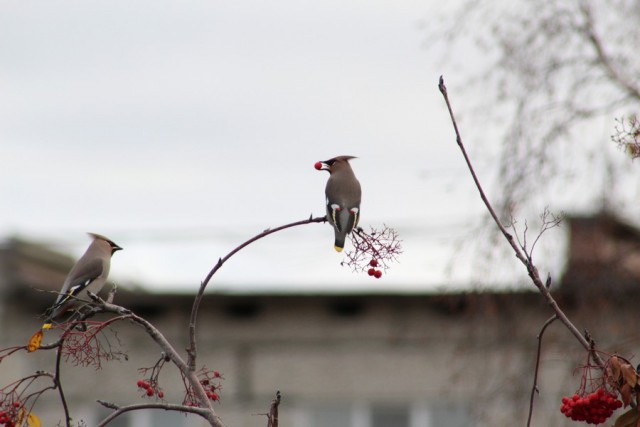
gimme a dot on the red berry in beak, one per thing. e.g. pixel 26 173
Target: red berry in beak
pixel 318 165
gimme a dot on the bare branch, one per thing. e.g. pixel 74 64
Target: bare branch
pixel 604 59
pixel 273 412
pixel 58 385
pixel 192 350
pixel 534 388
pixel 169 352
pixel 119 410
pixel 531 268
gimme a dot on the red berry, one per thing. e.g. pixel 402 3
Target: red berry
pixel 318 165
pixel 216 374
pixel 161 394
pixel 371 272
pixel 16 404
pixel 373 263
pixel 140 383
pixel 214 396
pixel 150 391
pixel 378 274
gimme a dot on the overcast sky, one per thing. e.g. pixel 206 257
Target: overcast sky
pixel 180 129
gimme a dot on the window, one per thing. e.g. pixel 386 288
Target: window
pixel 150 418
pixel 160 418
pixel 450 416
pixel 331 416
pixel 371 414
pixel 390 416
pixel 123 420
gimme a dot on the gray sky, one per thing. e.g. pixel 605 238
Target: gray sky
pixel 180 129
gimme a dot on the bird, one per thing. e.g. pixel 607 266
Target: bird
pixel 343 195
pixel 89 273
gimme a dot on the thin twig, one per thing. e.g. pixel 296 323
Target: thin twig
pixel 206 408
pixel 523 257
pixel 58 384
pixel 192 349
pixel 604 59
pixel 534 388
pixel 273 411
pixel 119 410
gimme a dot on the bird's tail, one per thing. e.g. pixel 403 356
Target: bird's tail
pixel 48 318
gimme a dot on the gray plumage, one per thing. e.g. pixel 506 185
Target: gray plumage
pixel 343 194
pixel 89 273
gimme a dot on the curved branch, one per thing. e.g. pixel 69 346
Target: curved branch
pixel 534 388
pixel 523 257
pixel 119 410
pixel 58 384
pixel 603 57
pixel 170 351
pixel 192 350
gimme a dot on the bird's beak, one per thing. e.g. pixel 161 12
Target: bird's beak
pixel 321 166
pixel 115 249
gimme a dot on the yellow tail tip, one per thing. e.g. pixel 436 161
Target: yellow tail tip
pixel 47 326
pixel 338 248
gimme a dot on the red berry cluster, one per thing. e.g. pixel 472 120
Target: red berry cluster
pixel 211 384
pixel 8 416
pixel 593 408
pixel 373 271
pixel 150 390
pixel 211 389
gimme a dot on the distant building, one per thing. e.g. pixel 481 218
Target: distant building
pixel 347 360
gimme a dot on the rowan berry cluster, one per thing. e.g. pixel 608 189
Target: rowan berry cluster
pixel 210 381
pixel 593 408
pixel 373 251
pixel 9 415
pixel 210 388
pixel 373 271
pixel 150 389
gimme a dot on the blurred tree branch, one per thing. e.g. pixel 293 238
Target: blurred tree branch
pixel 546 70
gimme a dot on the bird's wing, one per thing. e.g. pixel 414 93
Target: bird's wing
pixel 82 277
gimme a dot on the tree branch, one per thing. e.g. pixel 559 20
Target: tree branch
pixel 58 384
pixel 534 388
pixel 603 57
pixel 273 411
pixel 192 350
pixel 119 410
pixel 170 352
pixel 523 257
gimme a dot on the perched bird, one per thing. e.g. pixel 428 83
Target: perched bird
pixel 88 274
pixel 343 197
